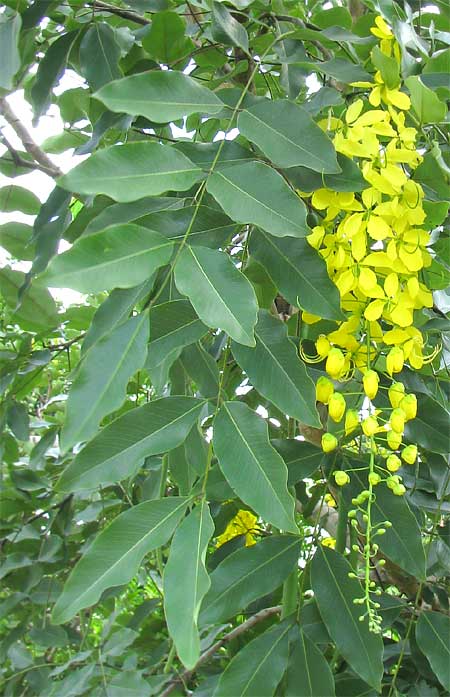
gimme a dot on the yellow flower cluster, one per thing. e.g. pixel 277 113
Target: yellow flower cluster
pixel 243 523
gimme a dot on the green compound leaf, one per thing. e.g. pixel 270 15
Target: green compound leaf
pixel 433 635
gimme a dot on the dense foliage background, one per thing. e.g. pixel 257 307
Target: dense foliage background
pixel 170 522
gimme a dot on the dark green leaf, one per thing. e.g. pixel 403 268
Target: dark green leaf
pixel 288 136
pixel 115 555
pixel 227 30
pixel 350 179
pixel 219 292
pixel 433 635
pixel 131 171
pixel 248 574
pixel 15 238
pixel 298 272
pixel 120 256
pixel 308 673
pixel 274 368
pixel 252 467
pixel 173 325
pixel 255 193
pixel 50 71
pixel 101 380
pixel 99 55
pixel 37 309
pixel 258 668
pixel 211 227
pixel 202 369
pixel 425 102
pixel 16 198
pixel 120 447
pixel 18 420
pixel 334 592
pixel 130 212
pixel 430 427
pixel 166 40
pixel 182 600
pixel 10 23
pixel 302 459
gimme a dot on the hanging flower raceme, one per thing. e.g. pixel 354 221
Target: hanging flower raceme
pixel 375 247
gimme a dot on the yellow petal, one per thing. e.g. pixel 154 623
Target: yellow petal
pixel 354 110
pixel 374 310
pixel 391 285
pixel 378 229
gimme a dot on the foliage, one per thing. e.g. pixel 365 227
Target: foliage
pixel 225 469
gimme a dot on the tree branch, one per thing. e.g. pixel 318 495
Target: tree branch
pixel 237 631
pixel 119 12
pixel 28 143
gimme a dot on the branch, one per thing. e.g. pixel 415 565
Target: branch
pixel 125 14
pixel 28 143
pixel 20 162
pixel 237 631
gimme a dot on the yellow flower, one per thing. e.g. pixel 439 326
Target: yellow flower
pixel 409 454
pixel 243 523
pixel 336 406
pixel 397 420
pixel 396 393
pixel 394 439
pixel 370 425
pixel 409 406
pixel 324 389
pixel 335 363
pixel 393 463
pixel 341 478
pixel 351 421
pixel 329 542
pixel 323 346
pixel 370 383
pixel 395 360
pixel 329 442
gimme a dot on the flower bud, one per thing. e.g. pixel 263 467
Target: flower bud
pixel 393 463
pixel 381 562
pixel 329 442
pixel 351 421
pixel 409 454
pixel 324 389
pixel 409 406
pixel 396 393
pixel 341 478
pixel 330 501
pixel 394 439
pixel 335 363
pixel 370 425
pixel 397 420
pixel 374 478
pixel 336 406
pixel 395 360
pixel 370 383
pixel 399 490
pixel 323 346
pixel 393 481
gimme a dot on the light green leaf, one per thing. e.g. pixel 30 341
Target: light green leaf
pixel 252 466
pixel 166 40
pixel 130 212
pixel 172 325
pixel 334 592
pixel 121 446
pixel 99 55
pixel 248 574
pixel 433 639
pixel 219 292
pixel 37 309
pixel 101 380
pixel 254 193
pixel 276 371
pixel 257 669
pixel 288 136
pixel 113 311
pixel 50 71
pixel 308 673
pixel 226 29
pixel 120 256
pixel 15 238
pixel 10 24
pixel 131 171
pixel 16 198
pixel 116 553
pixel 182 600
pixel 425 102
pixel 160 96
pixel 298 272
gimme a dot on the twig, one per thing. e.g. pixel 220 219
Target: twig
pixel 18 161
pixel 125 14
pixel 237 631
pixel 28 143
pixel 65 345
